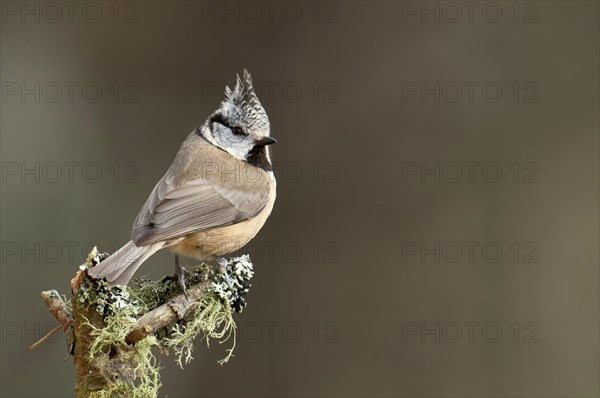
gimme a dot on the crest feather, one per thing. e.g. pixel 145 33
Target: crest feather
pixel 244 98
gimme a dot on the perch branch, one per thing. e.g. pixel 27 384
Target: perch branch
pixel 174 310
pixel 57 307
pixel 111 331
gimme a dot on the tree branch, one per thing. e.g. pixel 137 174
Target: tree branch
pixel 176 309
pixel 111 331
pixel 57 307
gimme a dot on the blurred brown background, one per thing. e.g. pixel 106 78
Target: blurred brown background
pixel 381 272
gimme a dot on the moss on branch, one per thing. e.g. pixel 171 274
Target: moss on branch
pixel 114 330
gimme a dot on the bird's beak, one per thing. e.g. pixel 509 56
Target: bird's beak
pixel 266 141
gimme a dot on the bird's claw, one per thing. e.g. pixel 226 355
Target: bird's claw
pixel 180 273
pixel 222 269
pixel 181 281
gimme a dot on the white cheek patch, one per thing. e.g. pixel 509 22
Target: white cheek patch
pixel 237 152
pixel 221 139
pixel 208 135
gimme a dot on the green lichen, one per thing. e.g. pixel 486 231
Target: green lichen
pixel 127 370
pixel 213 318
pixel 145 380
pixel 108 315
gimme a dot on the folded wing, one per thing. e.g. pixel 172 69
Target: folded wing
pixel 173 211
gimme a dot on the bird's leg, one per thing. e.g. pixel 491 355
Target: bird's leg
pixel 221 266
pixel 222 269
pixel 180 273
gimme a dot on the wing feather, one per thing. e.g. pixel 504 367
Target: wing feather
pixel 173 211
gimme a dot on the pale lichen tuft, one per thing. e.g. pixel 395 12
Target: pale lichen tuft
pixel 109 314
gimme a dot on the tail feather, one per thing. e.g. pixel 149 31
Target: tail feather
pixel 119 268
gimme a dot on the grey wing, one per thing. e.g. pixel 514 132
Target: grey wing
pixel 196 205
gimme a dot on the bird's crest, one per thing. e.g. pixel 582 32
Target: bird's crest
pixel 244 101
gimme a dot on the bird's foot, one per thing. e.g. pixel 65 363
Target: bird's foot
pixel 180 273
pixel 222 269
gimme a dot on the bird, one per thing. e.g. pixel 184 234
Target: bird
pixel 214 198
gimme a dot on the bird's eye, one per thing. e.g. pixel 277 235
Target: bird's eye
pixel 237 130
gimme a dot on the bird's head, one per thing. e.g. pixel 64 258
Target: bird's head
pixel 240 126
